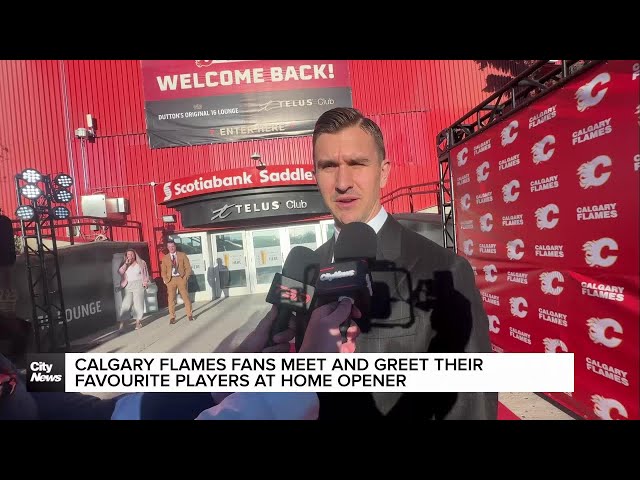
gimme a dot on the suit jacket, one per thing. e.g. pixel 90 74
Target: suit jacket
pixel 184 267
pixel 425 301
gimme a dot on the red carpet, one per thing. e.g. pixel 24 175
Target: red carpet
pixel 505 414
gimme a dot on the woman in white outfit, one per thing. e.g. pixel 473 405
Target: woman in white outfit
pixel 134 280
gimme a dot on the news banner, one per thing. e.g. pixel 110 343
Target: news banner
pixel 360 372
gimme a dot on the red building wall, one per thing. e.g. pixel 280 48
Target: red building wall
pixel 43 102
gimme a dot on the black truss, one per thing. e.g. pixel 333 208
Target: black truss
pixel 535 82
pixel 43 270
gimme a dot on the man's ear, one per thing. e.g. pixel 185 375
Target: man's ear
pixel 385 169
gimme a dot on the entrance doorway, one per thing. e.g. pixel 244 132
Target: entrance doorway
pixel 244 262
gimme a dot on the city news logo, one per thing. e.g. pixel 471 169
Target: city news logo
pixel 166 188
pixel 585 96
pixel 45 372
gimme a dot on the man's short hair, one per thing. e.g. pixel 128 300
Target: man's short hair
pixel 337 119
pixel 170 241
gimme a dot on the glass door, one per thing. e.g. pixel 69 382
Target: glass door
pixel 265 257
pixel 229 271
pixel 195 246
pixel 327 229
pixel 304 235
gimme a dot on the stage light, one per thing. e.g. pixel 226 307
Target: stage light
pixel 62 195
pixel 31 175
pixel 60 212
pixel 32 192
pixel 63 180
pixel 25 212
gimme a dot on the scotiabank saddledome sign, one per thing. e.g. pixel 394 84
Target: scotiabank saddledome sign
pixel 237 179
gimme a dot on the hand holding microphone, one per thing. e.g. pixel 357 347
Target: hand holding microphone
pixel 349 276
pixel 292 291
pixel 323 334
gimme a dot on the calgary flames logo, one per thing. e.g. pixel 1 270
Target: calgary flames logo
pixel 507 136
pixel 598 328
pixel 584 95
pixel 538 152
pixel 587 172
pixel 551 345
pixel 511 249
pixel 542 216
pixel 604 407
pixel 546 280
pixel 593 252
pixel 468 247
pixel 486 222
pixel 462 156
pixel 508 195
pixel 516 303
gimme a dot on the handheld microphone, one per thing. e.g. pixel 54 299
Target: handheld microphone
pixel 293 290
pixel 349 275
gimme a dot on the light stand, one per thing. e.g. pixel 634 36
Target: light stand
pixel 36 194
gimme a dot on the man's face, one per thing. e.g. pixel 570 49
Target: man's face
pixel 350 174
pixel 171 247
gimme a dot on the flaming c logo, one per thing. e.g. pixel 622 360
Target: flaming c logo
pixel 166 188
pixel 598 331
pixel 464 201
pixel 204 63
pixel 546 281
pixel 587 172
pixel 603 407
pixel 494 324
pixel 462 156
pixel 468 247
pixel 584 95
pixel 542 216
pixel 486 222
pixel 538 152
pixel 511 249
pixel 489 273
pixel 507 135
pixel 593 252
pixel 551 345
pixel 483 172
pixel 518 307
pixel 508 195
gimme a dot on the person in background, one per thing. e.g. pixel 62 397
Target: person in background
pixel 176 270
pixel 134 279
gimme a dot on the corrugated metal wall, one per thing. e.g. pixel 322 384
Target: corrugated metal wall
pixel 43 102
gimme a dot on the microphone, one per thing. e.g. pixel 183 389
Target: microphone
pixel 293 290
pixel 349 275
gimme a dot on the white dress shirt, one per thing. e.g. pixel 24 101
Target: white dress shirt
pixel 375 223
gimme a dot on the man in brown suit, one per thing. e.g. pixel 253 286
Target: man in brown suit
pixel 176 270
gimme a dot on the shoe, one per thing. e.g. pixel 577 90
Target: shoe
pixel 172 320
pixel 191 318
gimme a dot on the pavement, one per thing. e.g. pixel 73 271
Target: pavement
pixel 220 325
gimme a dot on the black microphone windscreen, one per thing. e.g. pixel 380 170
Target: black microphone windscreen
pixel 356 240
pixel 301 265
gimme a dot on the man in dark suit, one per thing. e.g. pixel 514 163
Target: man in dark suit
pixel 425 297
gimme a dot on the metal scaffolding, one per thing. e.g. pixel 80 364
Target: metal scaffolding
pixel 541 78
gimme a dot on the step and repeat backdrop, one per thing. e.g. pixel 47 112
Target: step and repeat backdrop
pixel 546 208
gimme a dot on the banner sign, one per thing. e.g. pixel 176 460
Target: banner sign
pixel 546 208
pixel 248 207
pixel 234 179
pixel 200 102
